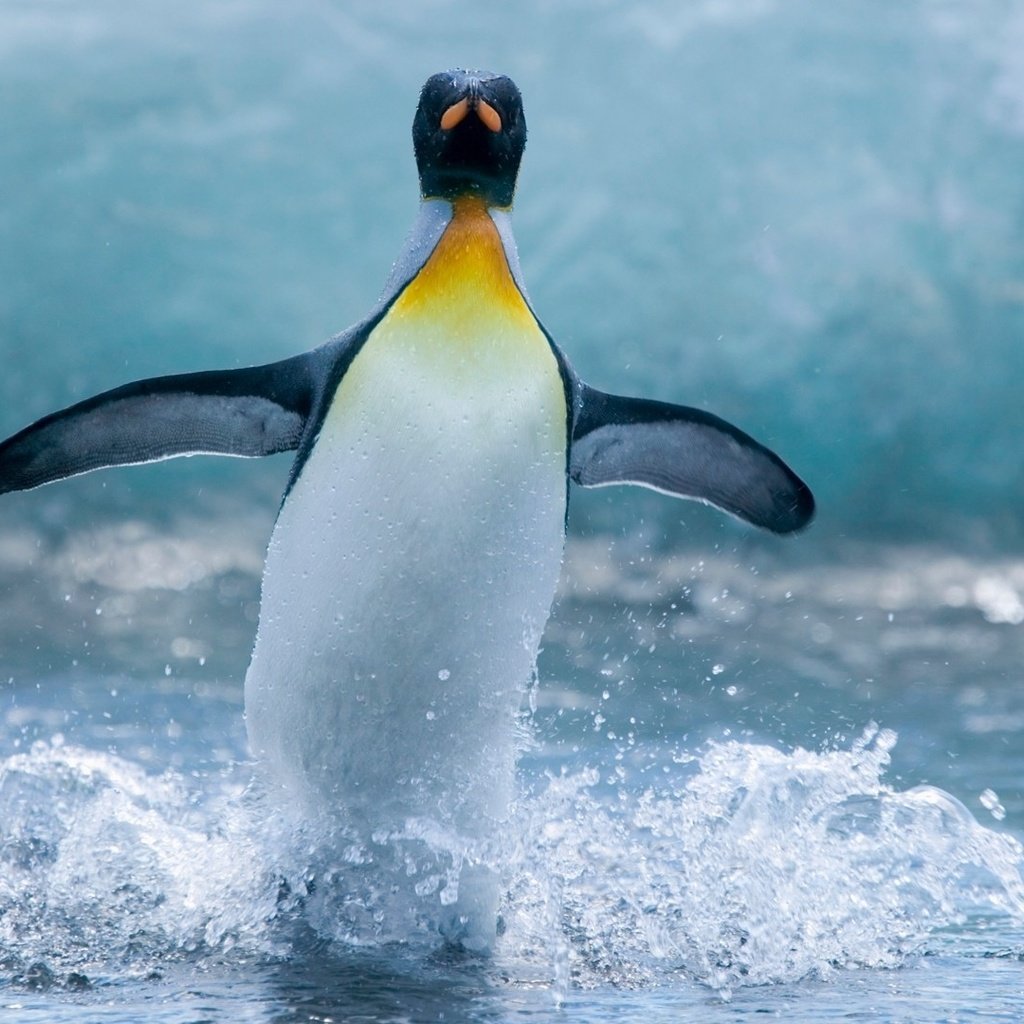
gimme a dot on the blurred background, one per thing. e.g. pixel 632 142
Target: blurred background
pixel 806 217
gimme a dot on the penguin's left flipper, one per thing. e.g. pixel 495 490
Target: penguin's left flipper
pixel 250 412
pixel 684 452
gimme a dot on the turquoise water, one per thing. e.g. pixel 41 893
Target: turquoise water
pixel 775 777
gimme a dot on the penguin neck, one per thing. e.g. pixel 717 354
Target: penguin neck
pixel 467 277
pixel 467 290
pixel 435 217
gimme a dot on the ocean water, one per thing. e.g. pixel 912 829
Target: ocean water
pixel 761 776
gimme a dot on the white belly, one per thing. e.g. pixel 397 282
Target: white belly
pixel 407 584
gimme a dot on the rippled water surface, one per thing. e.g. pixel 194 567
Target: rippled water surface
pixel 760 778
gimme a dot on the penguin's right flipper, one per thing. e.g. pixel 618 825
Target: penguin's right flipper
pixel 687 453
pixel 248 412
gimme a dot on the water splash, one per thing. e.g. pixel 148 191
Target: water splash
pixel 763 866
pixel 107 869
pixel 751 866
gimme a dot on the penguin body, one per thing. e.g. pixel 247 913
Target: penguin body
pixel 426 529
pixel 418 545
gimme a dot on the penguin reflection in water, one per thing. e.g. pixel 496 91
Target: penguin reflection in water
pixel 419 541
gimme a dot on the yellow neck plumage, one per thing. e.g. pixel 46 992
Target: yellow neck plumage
pixel 465 291
pixel 462 331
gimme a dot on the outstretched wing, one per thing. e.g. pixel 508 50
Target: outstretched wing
pixel 687 453
pixel 255 411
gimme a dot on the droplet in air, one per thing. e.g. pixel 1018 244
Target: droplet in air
pixel 990 801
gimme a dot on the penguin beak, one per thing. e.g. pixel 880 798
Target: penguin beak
pixel 490 117
pixel 457 112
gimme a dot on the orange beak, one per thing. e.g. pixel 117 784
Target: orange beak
pixel 490 117
pixel 457 112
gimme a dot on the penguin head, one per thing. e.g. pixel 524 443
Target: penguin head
pixel 469 134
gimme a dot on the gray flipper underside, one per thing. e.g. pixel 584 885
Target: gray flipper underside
pixel 687 453
pixel 255 411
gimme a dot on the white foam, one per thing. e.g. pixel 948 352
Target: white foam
pixel 753 865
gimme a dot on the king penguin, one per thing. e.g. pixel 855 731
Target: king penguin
pixel 419 542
